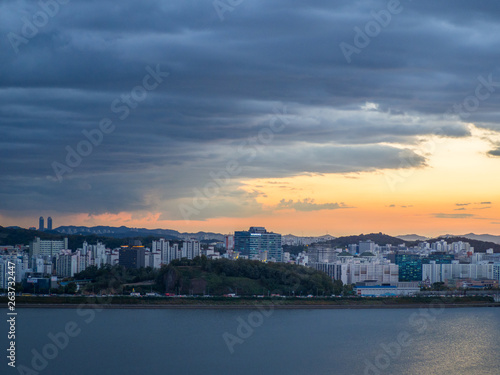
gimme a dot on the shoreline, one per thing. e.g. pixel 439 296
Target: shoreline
pixel 250 307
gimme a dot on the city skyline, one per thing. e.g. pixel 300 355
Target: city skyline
pixel 237 181
pixel 193 119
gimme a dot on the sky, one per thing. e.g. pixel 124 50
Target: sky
pixel 339 117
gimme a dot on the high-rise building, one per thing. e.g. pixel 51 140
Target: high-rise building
pixel 410 266
pixel 191 249
pixel 435 272
pixel 229 242
pixel 49 223
pixel 496 271
pixel 163 247
pixel 322 254
pixel 132 257
pixel 46 247
pixel 67 263
pixel 41 225
pixel 366 246
pixel 353 248
pixel 257 240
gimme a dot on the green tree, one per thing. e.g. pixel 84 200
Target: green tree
pixel 439 286
pixel 348 290
pixel 71 288
pixel 338 287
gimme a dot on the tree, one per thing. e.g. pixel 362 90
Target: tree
pixel 338 287
pixel 348 290
pixel 438 286
pixel 71 288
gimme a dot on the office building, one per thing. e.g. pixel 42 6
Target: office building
pixel 41 226
pixel 229 242
pixel 496 271
pixel 410 266
pixel 256 240
pixel 366 246
pixel 322 254
pixel 49 223
pixel 132 257
pixel 353 249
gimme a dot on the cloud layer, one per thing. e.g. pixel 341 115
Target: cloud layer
pixel 268 89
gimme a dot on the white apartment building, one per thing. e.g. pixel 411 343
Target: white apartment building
pixel 352 273
pixel 434 273
pixel 191 249
pixel 153 259
pixel 67 263
pixel 47 248
pixel 162 246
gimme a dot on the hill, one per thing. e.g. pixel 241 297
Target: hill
pixel 243 277
pixel 412 237
pixel 378 238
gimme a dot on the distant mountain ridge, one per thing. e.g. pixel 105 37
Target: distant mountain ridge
pixel 471 236
pixel 483 237
pixel 125 232
pixel 412 237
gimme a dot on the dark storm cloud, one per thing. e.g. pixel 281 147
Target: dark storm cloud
pixel 226 80
pixel 495 152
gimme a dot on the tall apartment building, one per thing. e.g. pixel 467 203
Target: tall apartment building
pixel 441 245
pixel 46 247
pixel 162 246
pixel 256 240
pixel 68 263
pixel 191 249
pixel 4 270
pixel 152 259
pixel 435 272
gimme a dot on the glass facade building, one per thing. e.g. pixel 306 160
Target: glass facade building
pixel 255 241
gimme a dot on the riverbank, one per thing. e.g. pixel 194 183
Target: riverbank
pixel 125 302
pixel 436 304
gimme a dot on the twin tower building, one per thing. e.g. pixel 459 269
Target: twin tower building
pixel 41 225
